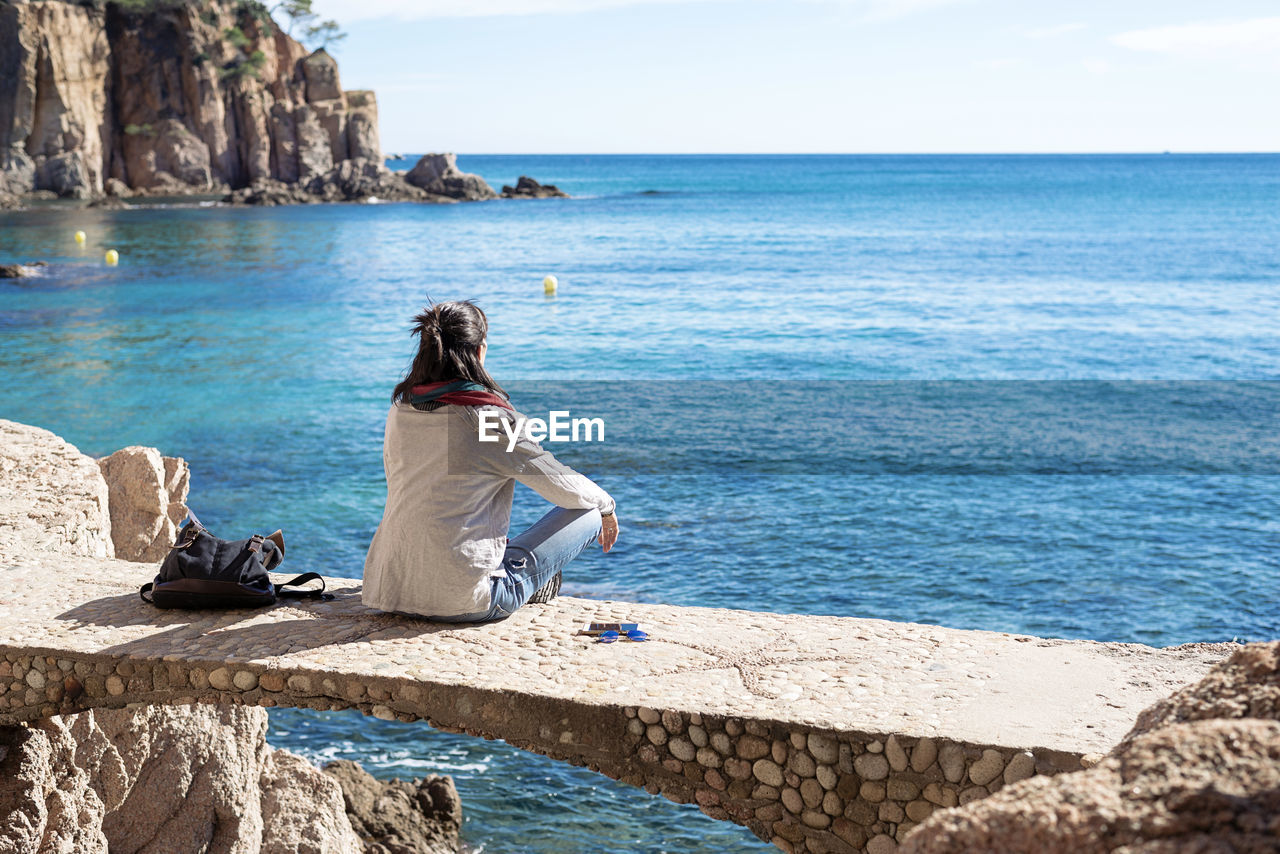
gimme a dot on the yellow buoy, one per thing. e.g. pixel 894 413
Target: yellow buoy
pixel 112 258
pixel 80 237
pixel 549 285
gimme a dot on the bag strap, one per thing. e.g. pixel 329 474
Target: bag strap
pixel 143 591
pixel 303 594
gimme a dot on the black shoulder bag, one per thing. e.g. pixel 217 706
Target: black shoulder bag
pixel 204 571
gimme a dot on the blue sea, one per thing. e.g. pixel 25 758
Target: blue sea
pixel 262 345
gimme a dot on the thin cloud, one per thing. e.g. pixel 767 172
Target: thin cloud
pixel 1054 32
pixel 348 11
pixel 996 64
pixel 1095 65
pixel 1207 38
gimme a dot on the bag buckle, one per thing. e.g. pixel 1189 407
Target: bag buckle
pixel 189 535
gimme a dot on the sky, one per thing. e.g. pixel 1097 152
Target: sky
pixel 821 76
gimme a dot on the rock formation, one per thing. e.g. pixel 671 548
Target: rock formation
pixel 147 495
pixel 52 497
pixel 168 97
pixel 527 188
pixel 439 174
pixel 1200 771
pixel 199 778
pixel 422 817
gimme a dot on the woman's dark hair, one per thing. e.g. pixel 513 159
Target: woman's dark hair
pixel 449 339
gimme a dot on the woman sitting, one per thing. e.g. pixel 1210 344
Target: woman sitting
pixel 441 550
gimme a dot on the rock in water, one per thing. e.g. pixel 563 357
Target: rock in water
pixel 353 180
pixel 1200 771
pixel 22 271
pixel 527 188
pixel 423 817
pixel 439 175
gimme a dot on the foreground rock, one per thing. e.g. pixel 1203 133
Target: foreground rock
pixel 439 174
pixel 52 497
pixel 198 778
pixel 147 495
pixel 527 188
pixel 1199 772
pixel 423 817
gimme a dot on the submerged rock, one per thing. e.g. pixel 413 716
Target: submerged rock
pixel 422 817
pixel 527 188
pixel 22 271
pixel 1200 771
pixel 439 175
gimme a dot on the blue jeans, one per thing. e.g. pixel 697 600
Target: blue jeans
pixel 533 558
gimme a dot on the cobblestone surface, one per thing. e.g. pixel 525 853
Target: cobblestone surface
pixel 820 734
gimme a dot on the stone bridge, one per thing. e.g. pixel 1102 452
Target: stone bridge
pixel 819 734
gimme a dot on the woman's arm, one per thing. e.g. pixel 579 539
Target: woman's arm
pixel 535 467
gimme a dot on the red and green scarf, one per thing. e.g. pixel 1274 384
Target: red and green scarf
pixel 460 392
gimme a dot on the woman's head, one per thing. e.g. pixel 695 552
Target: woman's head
pixel 451 342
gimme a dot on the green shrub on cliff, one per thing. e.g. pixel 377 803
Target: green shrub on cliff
pixel 236 37
pixel 145 5
pixel 246 67
pixel 252 9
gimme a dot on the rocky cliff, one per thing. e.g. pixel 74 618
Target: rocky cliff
pixel 167 96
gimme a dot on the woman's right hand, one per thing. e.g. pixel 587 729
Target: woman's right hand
pixel 608 531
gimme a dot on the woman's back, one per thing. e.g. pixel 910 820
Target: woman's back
pixel 444 528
